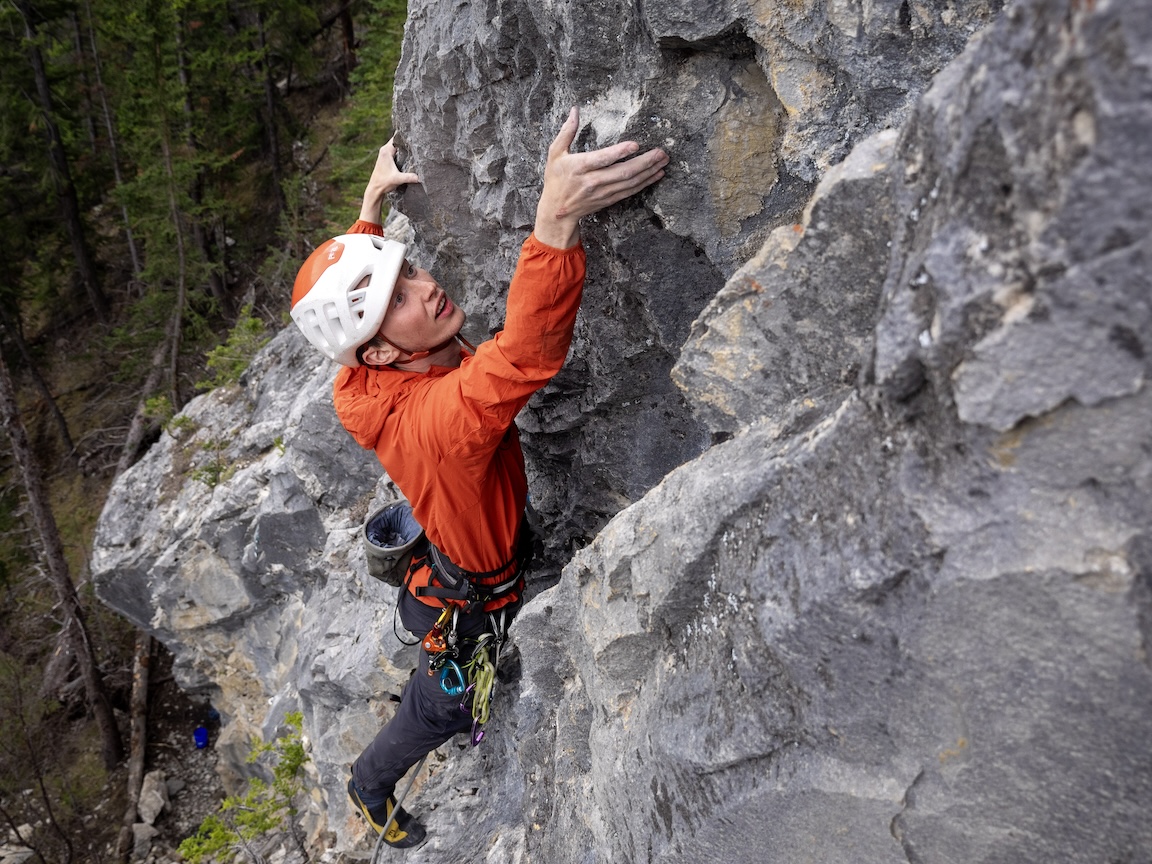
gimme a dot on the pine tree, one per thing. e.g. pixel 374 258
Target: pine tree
pixel 64 187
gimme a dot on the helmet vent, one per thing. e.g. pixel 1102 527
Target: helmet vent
pixel 332 316
pixel 358 295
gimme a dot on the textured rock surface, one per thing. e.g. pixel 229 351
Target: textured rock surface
pixel 900 611
pixel 153 796
pixel 752 99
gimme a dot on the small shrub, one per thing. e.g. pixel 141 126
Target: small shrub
pixel 181 424
pixel 262 809
pixel 159 408
pixel 217 468
pixel 228 360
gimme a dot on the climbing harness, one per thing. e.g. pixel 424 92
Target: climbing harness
pixel 397 547
pixel 378 849
pixel 451 582
pixel 468 586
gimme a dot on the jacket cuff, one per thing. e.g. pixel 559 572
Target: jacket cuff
pixel 538 246
pixel 362 227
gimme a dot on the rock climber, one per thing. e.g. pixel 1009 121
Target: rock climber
pixel 440 416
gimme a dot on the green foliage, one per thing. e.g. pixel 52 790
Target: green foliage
pixel 263 808
pixel 228 360
pixel 180 425
pixel 366 121
pixel 211 199
pixel 159 408
pixel 216 469
pixel 36 257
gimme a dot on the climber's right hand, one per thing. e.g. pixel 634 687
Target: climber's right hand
pixel 577 184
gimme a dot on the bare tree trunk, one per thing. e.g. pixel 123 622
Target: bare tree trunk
pixel 349 34
pixel 58 669
pixel 85 85
pixel 111 746
pixel 113 138
pixel 139 421
pixel 181 279
pixel 17 334
pixel 62 174
pixel 270 108
pixel 138 713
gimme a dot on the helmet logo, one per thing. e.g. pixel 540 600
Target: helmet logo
pixel 334 252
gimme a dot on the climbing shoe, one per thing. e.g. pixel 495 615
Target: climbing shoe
pixel 404 832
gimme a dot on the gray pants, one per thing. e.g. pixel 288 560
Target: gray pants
pixel 425 718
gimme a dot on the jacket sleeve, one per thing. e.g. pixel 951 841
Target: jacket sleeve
pixel 475 406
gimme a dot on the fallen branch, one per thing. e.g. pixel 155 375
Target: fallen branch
pixel 138 719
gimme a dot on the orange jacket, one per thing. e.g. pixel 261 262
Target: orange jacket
pixel 447 436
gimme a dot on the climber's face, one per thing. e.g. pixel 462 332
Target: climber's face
pixel 421 315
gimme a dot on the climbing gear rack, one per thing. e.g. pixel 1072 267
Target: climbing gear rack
pixel 472 678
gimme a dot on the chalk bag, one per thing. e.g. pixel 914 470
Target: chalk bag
pixel 391 535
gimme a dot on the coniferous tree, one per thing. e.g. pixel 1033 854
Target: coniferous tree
pixel 113 135
pixel 183 127
pixel 65 189
pixel 13 329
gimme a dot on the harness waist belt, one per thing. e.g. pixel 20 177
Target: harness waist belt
pixel 456 583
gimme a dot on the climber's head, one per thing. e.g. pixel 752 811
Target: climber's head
pixel 359 300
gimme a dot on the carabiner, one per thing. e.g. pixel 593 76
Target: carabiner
pixel 445 679
pixel 436 640
pixel 464 706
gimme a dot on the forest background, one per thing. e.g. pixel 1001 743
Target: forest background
pixel 164 166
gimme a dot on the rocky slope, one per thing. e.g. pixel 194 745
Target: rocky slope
pixel 895 604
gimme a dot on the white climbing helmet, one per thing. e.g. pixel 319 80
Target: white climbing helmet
pixel 333 310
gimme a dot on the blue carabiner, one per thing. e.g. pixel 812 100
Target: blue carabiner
pixel 445 679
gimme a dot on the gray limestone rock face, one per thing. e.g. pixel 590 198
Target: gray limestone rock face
pixel 235 541
pixel 853 449
pixel 752 100
pixel 783 336
pixel 903 614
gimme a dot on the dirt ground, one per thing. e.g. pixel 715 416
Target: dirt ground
pixel 194 788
